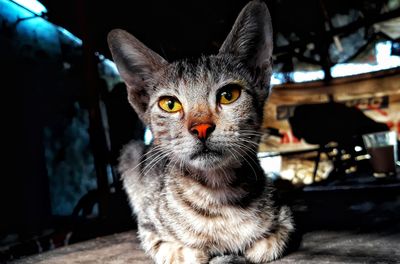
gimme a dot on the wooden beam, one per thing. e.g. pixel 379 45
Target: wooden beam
pixel 340 31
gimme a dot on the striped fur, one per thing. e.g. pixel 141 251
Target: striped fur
pixel 192 205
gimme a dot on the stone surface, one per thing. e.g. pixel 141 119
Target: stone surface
pixel 356 246
pixel 117 248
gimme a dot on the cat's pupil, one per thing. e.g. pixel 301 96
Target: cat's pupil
pixel 227 95
pixel 170 104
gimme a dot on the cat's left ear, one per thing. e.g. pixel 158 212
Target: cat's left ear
pixel 138 66
pixel 251 41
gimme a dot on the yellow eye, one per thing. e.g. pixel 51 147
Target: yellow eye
pixel 229 94
pixel 170 104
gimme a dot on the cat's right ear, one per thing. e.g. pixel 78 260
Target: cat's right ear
pixel 137 65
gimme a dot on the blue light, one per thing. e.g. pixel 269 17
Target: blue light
pixel 148 136
pixel 111 66
pixel 384 61
pixel 276 79
pixel 70 35
pixel 33 6
pixel 298 77
pixel 307 76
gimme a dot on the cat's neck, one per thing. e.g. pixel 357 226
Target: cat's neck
pixel 216 178
pixel 214 188
pixel 222 177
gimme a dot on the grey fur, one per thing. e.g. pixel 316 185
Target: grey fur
pixel 231 259
pixel 197 199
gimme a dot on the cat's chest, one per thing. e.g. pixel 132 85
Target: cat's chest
pixel 206 218
pixel 233 229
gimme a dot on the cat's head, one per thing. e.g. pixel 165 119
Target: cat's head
pixel 204 113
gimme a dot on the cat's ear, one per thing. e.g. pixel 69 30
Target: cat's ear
pixel 251 41
pixel 137 66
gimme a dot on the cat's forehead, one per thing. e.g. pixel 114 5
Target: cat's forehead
pixel 206 71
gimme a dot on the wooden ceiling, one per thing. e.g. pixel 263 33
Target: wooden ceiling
pixel 308 33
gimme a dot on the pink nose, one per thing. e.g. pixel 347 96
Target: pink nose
pixel 202 131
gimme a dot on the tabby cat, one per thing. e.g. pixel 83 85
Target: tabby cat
pixel 198 191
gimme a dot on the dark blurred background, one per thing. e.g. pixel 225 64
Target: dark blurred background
pixel 67 117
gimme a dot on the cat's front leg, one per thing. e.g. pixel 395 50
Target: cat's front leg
pixel 273 244
pixel 165 252
pixel 264 250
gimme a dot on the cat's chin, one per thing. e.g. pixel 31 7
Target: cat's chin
pixel 209 160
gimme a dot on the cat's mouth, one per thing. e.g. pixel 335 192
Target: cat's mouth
pixel 206 153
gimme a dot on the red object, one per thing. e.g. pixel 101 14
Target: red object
pixel 390 124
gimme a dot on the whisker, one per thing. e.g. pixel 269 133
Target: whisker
pixel 176 161
pixel 248 148
pixel 247 151
pixel 244 158
pixel 153 152
pixel 233 154
pixel 152 163
pixel 253 132
pixel 249 141
pixel 250 133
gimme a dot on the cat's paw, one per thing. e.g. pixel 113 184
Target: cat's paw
pixel 172 253
pixel 265 250
pixel 228 259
